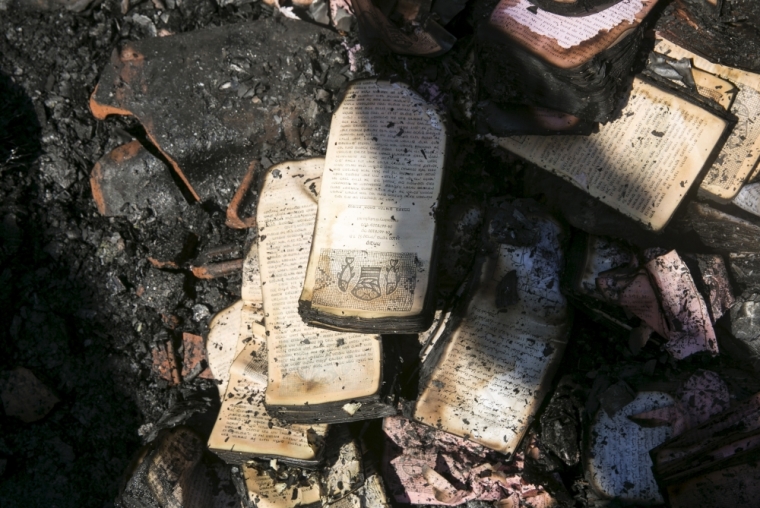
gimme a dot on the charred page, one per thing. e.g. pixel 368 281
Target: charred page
pixel 314 375
pixel 737 161
pixel 244 430
pixel 490 370
pixel 643 163
pixel 371 263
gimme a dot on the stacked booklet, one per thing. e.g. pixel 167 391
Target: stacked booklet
pixel 572 57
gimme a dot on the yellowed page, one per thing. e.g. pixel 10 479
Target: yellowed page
pixel 264 493
pixel 641 164
pixel 497 365
pixel 243 424
pixel 250 290
pixel 741 152
pixel 718 89
pixel 222 345
pixel 567 41
pixel 373 240
pixel 306 365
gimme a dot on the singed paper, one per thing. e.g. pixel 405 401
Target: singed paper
pixel 222 345
pixel 641 164
pixel 496 366
pixel 250 291
pixel 741 151
pixel 306 365
pixel 711 86
pixel 567 41
pixel 619 462
pixel 748 198
pixel 373 241
pixel 243 424
pixel 263 492
pixel 691 329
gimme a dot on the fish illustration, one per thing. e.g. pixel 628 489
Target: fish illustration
pixel 346 274
pixel 392 277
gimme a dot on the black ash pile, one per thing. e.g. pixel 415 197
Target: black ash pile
pixel 372 253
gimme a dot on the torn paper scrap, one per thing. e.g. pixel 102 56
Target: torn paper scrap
pixel 691 330
pixel 635 293
pixel 618 463
pixel 427 466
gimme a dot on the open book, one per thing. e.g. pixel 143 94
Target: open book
pixel 740 153
pixel 494 363
pixel 244 429
pixel 314 375
pixel 373 255
pixel 641 164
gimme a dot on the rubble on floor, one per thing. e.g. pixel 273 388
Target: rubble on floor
pixel 225 226
pixel 26 397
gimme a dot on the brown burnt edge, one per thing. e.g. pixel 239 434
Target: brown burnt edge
pixel 162 264
pixel 233 209
pixel 96 178
pixel 101 111
pixel 221 269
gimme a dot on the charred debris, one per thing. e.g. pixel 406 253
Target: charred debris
pixel 556 297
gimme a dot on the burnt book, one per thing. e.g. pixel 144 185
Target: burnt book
pixel 493 363
pixel 345 481
pixel 313 375
pixel 737 91
pixel 680 146
pixel 574 64
pixel 715 463
pixel 244 429
pixel 372 262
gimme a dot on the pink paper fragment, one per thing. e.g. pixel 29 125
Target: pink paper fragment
pixel 340 9
pixel 691 330
pixel 351 51
pixel 428 466
pixel 702 396
pixel 634 292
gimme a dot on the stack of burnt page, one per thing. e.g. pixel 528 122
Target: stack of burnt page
pixel 682 123
pixel 569 57
pixel 344 268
